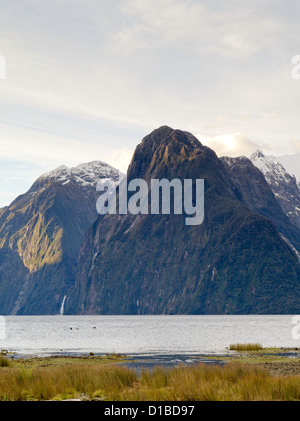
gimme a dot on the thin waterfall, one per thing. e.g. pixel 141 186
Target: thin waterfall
pixel 62 306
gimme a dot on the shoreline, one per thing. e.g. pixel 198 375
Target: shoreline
pixel 267 374
pixel 283 360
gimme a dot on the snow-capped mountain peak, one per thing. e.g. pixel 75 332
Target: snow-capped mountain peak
pixel 258 154
pixel 269 166
pixel 85 175
pixel 283 185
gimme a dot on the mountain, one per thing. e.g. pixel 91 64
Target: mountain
pixel 259 197
pixel 235 262
pixel 283 185
pixel 291 164
pixel 41 234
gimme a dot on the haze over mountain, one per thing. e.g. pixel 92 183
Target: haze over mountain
pixel 41 234
pixel 291 163
pixel 235 262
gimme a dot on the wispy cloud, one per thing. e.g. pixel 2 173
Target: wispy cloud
pixel 295 142
pixel 233 144
pixel 121 158
pixel 86 78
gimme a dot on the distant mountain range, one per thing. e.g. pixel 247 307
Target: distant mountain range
pixel 244 257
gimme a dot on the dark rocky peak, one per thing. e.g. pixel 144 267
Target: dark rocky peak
pixel 163 147
pixel 239 160
pixel 234 262
pixel 257 154
pixel 165 135
pixel 156 137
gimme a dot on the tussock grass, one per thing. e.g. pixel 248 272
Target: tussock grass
pixel 246 347
pixel 234 381
pixel 4 362
pixel 64 382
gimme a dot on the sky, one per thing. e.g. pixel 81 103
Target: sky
pixel 87 80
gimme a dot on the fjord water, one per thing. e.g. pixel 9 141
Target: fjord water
pixel 146 335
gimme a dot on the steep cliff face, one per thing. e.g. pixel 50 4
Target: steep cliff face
pixel 291 164
pixel 234 262
pixel 40 236
pixel 257 194
pixel 283 185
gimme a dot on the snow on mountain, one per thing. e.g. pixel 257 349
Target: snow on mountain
pixel 86 175
pixel 41 233
pixel 283 185
pixel 292 164
pixel 269 166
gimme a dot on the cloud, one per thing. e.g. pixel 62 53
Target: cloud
pixel 295 142
pixel 234 144
pixel 16 178
pixel 142 63
pixel 36 144
pixel 87 78
pixel 121 158
pixel 202 26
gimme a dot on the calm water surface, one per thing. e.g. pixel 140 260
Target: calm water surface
pixel 146 335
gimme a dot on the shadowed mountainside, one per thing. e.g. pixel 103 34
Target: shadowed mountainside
pixel 40 236
pixel 235 262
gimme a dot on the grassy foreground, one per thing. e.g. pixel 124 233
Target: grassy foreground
pixel 100 379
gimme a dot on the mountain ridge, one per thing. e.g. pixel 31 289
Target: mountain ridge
pixel 40 237
pixel 243 259
pixel 283 185
pixel 154 264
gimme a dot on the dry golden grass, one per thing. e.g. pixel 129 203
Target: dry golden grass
pixel 64 382
pixel 4 362
pixel 245 347
pixel 234 382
